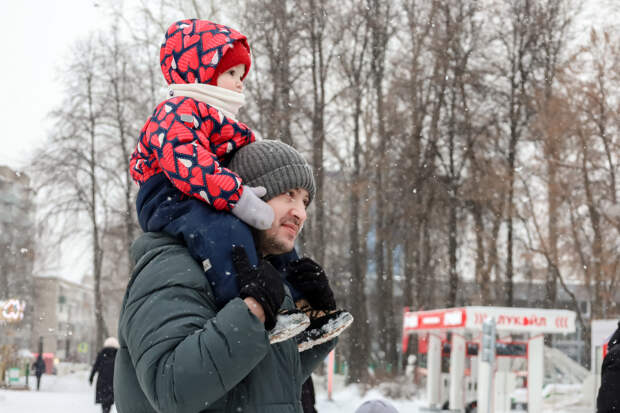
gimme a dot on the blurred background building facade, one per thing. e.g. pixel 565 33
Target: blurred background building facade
pixel 17 238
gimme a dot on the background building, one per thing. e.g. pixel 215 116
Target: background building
pixel 64 317
pixel 17 235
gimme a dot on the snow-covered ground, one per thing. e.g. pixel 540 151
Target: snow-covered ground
pixel 58 394
pixel 347 399
pixel 71 393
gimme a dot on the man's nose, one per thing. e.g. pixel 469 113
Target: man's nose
pixel 299 211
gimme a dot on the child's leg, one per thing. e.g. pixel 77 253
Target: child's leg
pixel 209 236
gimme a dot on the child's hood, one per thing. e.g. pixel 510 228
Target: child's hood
pixel 193 48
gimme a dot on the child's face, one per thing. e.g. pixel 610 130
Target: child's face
pixel 231 79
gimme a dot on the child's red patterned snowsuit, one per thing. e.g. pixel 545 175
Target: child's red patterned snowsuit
pixel 187 139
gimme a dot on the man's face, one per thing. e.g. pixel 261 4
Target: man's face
pixel 290 214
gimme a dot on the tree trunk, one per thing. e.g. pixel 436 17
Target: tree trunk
pixel 360 338
pixel 391 326
pixel 552 229
pixel 452 247
pixel 379 43
pixel 508 283
pixel 482 276
pixel 101 329
pixel 319 70
pixel 600 301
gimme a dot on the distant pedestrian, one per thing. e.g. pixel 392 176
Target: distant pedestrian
pixel 39 368
pixel 608 399
pixel 376 406
pixel 104 365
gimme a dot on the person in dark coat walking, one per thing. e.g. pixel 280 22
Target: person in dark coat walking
pixel 608 399
pixel 39 368
pixel 104 366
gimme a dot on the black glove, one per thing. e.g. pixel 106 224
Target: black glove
pixel 310 280
pixel 263 283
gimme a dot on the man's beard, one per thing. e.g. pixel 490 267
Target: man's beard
pixel 269 244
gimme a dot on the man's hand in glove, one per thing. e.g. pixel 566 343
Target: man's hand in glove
pixel 310 280
pixel 252 210
pixel 262 283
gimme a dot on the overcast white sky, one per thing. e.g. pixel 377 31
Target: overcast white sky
pixel 37 36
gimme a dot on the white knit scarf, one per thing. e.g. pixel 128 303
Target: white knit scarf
pixel 225 100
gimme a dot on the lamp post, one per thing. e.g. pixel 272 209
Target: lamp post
pixel 487 357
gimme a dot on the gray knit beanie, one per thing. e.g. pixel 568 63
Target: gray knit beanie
pixel 376 406
pixel 275 165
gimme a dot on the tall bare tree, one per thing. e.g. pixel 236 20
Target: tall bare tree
pixel 120 122
pixel 353 63
pixel 379 15
pixel 71 173
pixel 275 47
pixel 518 36
pixel 555 20
pixel 318 48
pixel 458 37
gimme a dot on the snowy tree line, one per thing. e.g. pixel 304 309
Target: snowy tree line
pixel 450 141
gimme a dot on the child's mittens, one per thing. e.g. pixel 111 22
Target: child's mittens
pixel 307 277
pixel 252 210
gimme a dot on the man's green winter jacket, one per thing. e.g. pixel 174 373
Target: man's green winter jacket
pixel 178 354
